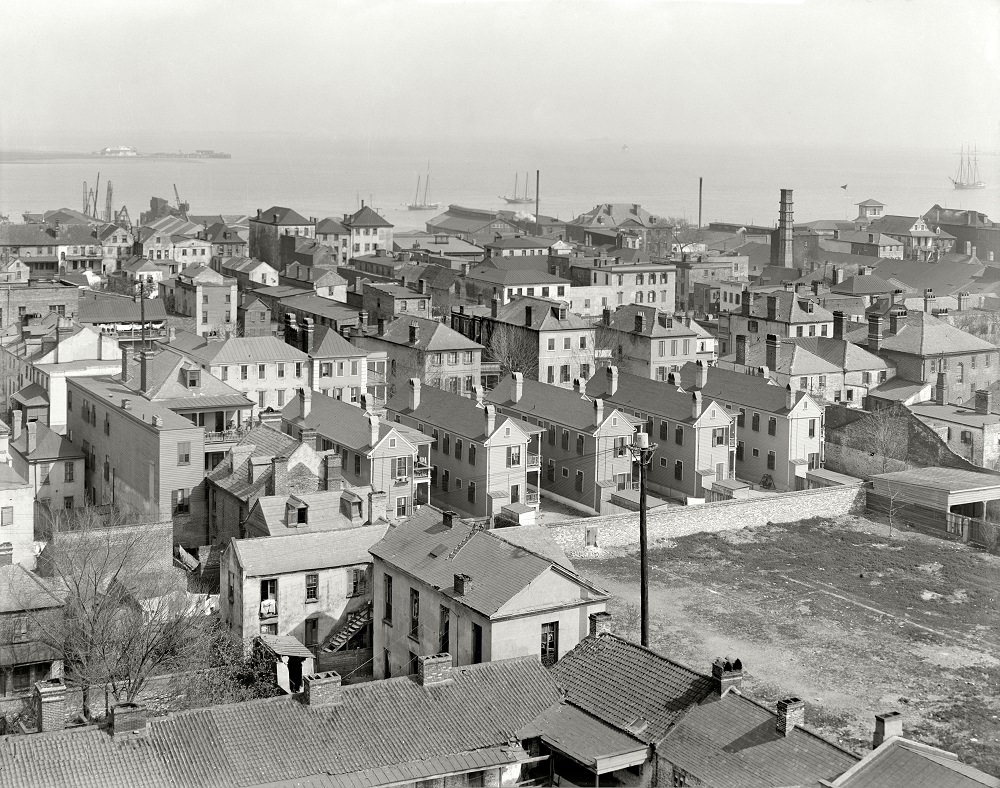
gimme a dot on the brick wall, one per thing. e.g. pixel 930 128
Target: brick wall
pixel 622 530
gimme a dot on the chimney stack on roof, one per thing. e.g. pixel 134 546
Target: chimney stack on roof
pixel 372 429
pixel 50 704
pixel 434 669
pixel 702 380
pixel 279 476
pixel 414 333
pixel 491 418
pixel 333 472
pixel 322 689
pixel 896 317
pixel 612 374
pixel 772 307
pixel 16 418
pixel 696 404
pixel 127 718
pixel 516 386
pixel 377 506
pixel 414 400
pixel 600 623
pixel 727 673
pixel 495 306
pixel 839 324
pixel 305 401
pixel 791 712
pixel 875 333
pixel 887 725
pixel 598 411
pixel 941 389
pixel 463 584
pixel 527 316
pixel 963 302
pixel 126 364
pixel 771 351
pixel 31 440
pixel 640 322
pixel 789 397
pixel 984 401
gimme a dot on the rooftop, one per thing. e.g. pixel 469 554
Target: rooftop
pixel 553 403
pixel 348 424
pixel 432 335
pixel 277 555
pixel 280 215
pixel 235 350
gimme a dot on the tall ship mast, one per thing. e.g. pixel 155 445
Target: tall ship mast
pixel 968 172
pixel 423 205
pixel 518 199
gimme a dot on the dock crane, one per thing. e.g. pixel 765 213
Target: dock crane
pixel 182 207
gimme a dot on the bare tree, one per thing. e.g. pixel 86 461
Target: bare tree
pixel 127 613
pixel 884 434
pixel 513 349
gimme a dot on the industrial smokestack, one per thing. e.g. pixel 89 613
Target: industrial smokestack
pixel 781 252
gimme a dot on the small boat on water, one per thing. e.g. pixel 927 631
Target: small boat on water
pixel 423 205
pixel 517 200
pixel 968 172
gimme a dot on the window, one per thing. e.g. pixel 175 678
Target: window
pixel 477 644
pixel 358 580
pixel 679 435
pixel 260 398
pixel 68 468
pixel 414 613
pixel 564 373
pixel 357 464
pixel 444 480
pixel 183 454
pixel 181 499
pixel 678 470
pixel 741 418
pixel 312 588
pixel 458 448
pixel 565 439
pixel 550 643
pixel 312 633
pixel 244 372
pixel 68 502
pixel 387 605
pixel 772 426
pixel 401 504
pixel 444 633
pixel 298 369
pixel 812 428
pixel 225 373
pixel 770 460
pixel 550 376
pixel 803 383
pixel 281 370
pixel 755 422
pixel 472 454
pixel 739 450
pixel 446 443
pixel 579 481
pixel 719 436
pixel 452 358
pixel 567 343
pixel 514 456
pixel 585 371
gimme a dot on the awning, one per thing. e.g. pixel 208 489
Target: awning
pixel 285 646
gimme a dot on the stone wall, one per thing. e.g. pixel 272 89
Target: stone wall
pixel 670 522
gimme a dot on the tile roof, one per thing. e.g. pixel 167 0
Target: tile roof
pixel 433 335
pixel 434 553
pixel 365 217
pixel 553 403
pixel 107 308
pixel 282 740
pixel 276 555
pixel 899 761
pixel 842 353
pixel 48 235
pixel 630 687
pixel 733 741
pixel 324 507
pixel 280 215
pixel 527 262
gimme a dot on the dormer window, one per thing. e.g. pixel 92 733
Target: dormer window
pixel 193 378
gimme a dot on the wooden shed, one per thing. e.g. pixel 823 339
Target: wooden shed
pixel 941 489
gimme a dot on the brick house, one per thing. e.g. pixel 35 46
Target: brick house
pixel 784 314
pixel 437 590
pixel 267 227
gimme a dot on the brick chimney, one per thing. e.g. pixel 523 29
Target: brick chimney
pixel 434 669
pixel 491 419
pixel 414 333
pixel 874 333
pixel 789 397
pixel 463 584
pixel 606 316
pixel 839 324
pixel 696 406
pixel 414 401
pixel 307 435
pixel 791 712
pixel 527 316
pixel 126 364
pixel 31 441
pixel 376 506
pixel 963 302
pixel 929 301
pixel 941 389
pixel 238 455
pixel 984 401
pixel 322 689
pixel 896 317
pixel 143 369
pixel 50 704
pixel 291 330
pixel 598 411
pixel 771 352
pixel 495 306
pixel 333 475
pixel 279 476
pixel 772 307
pixel 447 519
pixel 702 380
pixel 127 718
pixel 612 374
pixel 305 401
pixel 727 673
pixel 741 349
pixel 516 386
pixel 600 623
pixel 887 725
pixel 308 335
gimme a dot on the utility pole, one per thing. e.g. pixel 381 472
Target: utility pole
pixel 642 451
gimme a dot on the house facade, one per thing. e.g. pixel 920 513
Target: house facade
pixel 267 227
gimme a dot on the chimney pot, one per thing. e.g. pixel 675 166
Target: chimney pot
pixel 727 673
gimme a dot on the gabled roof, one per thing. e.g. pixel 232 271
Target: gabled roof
pixel 222 233
pixel 323 507
pixel 347 424
pixel 790 308
pixel 544 314
pixel 24 590
pixel 434 553
pixel 107 308
pixel 867 284
pixel 165 384
pixel 514 277
pixel 729 386
pixel 900 761
pixel 923 334
pixel 733 741
pixel 235 350
pixel 266 442
pixel 32 395
pixel 459 726
pixel 329 343
pixel 330 226
pixel 365 217
pixel 947 276
pixel 870 203
pixel 433 336
pixel 49 445
pixel 276 555
pixel 552 403
pixel 645 395
pixel 243 264
pixel 616 215
pixel 842 353
pixel 656 323
pixel 631 687
pixel 793 359
pixel 280 215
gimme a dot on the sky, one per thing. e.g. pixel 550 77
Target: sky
pixel 915 73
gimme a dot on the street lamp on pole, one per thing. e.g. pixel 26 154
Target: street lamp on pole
pixel 642 452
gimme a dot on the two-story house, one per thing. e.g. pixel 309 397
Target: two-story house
pixel 695 436
pixel 248 272
pixel 30 608
pixel 225 241
pixel 441 586
pixel 51 465
pixel 339 369
pixel 17 510
pixel 480 462
pixel 267 227
pixel 311 586
pixel 648 342
pixel 387 301
pixel 784 313
pixel 207 296
pixel 779 430
pixel 585 447
pixel 388 457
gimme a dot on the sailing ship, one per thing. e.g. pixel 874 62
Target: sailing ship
pixel 968 172
pixel 423 205
pixel 516 200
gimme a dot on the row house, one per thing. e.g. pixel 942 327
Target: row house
pixel 248 272
pixel 390 458
pixel 225 241
pixel 312 587
pixel 779 430
pixel 205 295
pixel 337 368
pixel 694 436
pixel 480 462
pixel 538 337
pixel 437 591
pixel 267 228
pixel 416 347
pixel 35 367
pixel 600 283
pixel 585 447
pixel 484 283
pixel 387 301
pixel 784 313
pixel 263 368
pixel 648 342
pixel 51 465
pixel 703 272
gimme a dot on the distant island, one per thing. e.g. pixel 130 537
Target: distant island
pixel 128 152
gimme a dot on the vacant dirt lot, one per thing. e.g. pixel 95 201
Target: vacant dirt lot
pixel 838 613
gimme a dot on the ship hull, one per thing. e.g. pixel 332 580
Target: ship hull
pixel 431 206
